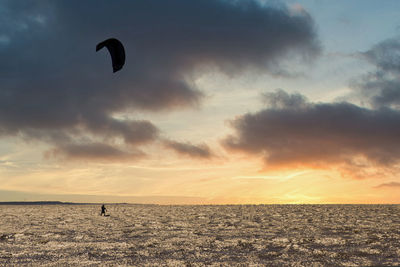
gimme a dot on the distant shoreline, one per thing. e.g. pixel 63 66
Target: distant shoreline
pixel 49 203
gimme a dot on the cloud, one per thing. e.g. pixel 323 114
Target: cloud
pixel 93 151
pixel 388 185
pixel 281 100
pixel 132 132
pixel 53 83
pixel 292 132
pixel 187 149
pixel 382 86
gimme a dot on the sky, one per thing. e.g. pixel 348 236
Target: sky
pixel 219 102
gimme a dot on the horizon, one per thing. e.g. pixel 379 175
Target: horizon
pixel 151 200
pixel 56 202
pixel 212 101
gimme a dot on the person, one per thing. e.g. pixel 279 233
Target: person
pixel 103 210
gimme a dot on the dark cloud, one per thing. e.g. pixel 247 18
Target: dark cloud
pixel 294 132
pixel 93 151
pixel 386 55
pixel 281 100
pixel 382 86
pixel 53 80
pixel 132 132
pixel 187 149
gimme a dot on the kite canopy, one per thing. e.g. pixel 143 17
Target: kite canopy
pixel 116 50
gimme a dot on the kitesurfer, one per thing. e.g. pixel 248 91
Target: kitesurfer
pixel 103 210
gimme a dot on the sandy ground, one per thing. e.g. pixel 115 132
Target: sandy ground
pixel 147 235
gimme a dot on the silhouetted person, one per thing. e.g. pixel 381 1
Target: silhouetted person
pixel 103 210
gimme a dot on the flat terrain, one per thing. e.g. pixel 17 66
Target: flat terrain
pixel 146 235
